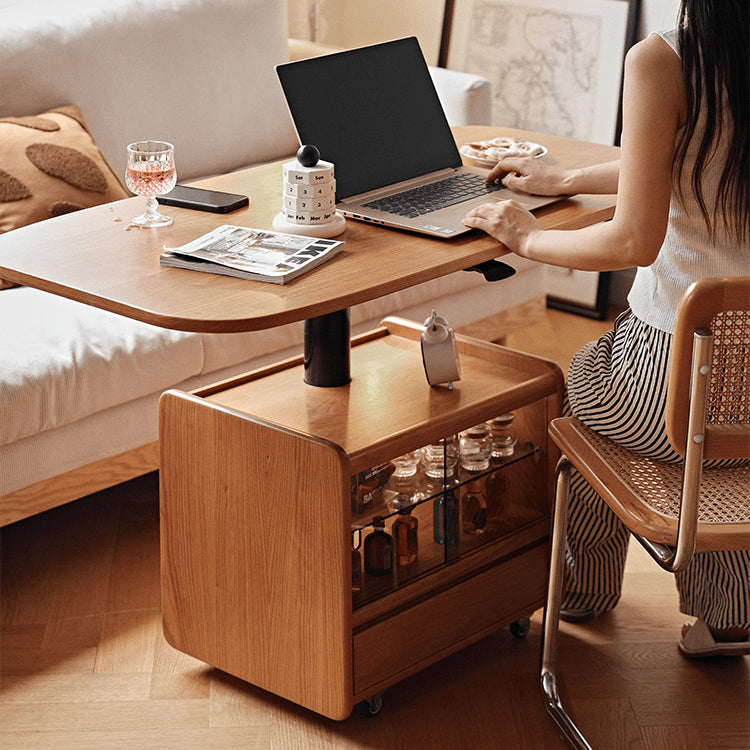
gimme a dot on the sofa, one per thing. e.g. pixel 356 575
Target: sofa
pixel 79 386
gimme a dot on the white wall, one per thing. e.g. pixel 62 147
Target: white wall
pixel 353 23
pixel 658 15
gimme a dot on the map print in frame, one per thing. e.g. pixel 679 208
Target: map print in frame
pixel 555 66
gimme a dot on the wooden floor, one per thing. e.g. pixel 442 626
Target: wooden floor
pixel 84 664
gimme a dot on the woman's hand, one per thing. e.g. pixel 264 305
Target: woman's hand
pixel 530 175
pixel 506 221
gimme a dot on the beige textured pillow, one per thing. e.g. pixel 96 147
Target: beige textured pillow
pixel 50 165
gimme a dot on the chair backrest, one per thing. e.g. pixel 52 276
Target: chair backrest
pixel 717 310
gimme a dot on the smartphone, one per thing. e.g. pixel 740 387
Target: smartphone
pixel 203 200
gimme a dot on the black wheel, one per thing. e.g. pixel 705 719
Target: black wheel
pixel 371 706
pixel 520 628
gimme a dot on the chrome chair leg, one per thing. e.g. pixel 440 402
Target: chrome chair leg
pixel 551 624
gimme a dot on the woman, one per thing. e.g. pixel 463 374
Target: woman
pixel 683 212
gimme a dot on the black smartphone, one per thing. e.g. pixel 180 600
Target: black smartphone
pixel 201 199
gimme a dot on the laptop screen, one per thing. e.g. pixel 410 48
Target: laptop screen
pixel 373 112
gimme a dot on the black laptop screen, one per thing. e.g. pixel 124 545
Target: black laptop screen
pixel 373 112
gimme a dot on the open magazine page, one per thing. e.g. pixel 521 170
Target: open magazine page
pixel 256 254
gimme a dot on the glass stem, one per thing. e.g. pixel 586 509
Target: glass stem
pixel 151 205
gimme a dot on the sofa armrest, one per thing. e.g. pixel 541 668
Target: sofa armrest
pixel 466 98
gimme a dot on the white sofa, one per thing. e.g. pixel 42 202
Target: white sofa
pixel 79 386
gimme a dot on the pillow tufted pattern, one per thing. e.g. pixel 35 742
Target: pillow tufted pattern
pixel 50 165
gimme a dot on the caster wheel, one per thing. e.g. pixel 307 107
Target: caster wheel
pixel 520 628
pixel 372 706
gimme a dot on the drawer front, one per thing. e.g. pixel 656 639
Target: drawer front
pixel 416 637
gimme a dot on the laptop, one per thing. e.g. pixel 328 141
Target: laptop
pixel 374 113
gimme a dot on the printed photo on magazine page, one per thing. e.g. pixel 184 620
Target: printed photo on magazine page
pixel 255 254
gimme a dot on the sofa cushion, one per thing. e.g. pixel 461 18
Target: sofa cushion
pixel 51 166
pixel 198 74
pixel 63 361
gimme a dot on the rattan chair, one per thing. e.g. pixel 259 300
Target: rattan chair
pixel 672 509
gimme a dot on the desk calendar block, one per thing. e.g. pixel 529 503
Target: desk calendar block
pixel 309 197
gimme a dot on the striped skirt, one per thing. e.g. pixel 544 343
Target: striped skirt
pixel 617 386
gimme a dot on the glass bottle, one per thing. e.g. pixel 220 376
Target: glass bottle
pixel 474 507
pixel 475 447
pixel 439 459
pixel 445 518
pixel 378 549
pixel 356 563
pixel 496 499
pixel 405 535
pixel 503 435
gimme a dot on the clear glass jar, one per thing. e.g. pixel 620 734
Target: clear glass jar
pixel 503 435
pixel 406 465
pixel 402 492
pixel 440 459
pixel 475 447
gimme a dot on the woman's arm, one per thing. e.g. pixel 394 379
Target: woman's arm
pixel 531 175
pixel 653 109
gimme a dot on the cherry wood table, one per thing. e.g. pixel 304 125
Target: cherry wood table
pixel 94 256
pixel 255 473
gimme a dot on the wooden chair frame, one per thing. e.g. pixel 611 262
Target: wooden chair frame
pixel 706 419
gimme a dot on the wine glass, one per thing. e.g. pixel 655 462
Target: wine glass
pixel 151 172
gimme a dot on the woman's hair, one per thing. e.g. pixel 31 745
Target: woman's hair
pixel 713 43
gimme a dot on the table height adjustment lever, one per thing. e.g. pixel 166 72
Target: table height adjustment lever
pixel 493 270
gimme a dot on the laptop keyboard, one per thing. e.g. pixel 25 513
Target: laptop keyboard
pixel 435 195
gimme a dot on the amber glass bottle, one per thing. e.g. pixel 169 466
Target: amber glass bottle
pixel 378 549
pixel 474 507
pixel 405 535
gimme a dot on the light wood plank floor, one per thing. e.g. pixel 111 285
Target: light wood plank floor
pixel 85 667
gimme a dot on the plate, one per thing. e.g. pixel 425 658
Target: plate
pixel 487 153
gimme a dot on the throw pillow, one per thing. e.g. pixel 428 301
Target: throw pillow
pixel 50 165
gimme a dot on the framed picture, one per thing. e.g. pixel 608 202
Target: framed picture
pixel 555 67
pixel 582 292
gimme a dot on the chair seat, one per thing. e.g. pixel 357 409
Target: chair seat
pixel 645 493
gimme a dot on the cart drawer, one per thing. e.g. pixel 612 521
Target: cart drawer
pixel 416 637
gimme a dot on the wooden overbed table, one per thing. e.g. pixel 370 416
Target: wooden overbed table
pixel 256 519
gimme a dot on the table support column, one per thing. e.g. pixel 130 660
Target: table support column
pixel 327 349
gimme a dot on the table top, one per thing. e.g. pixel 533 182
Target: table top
pixel 94 256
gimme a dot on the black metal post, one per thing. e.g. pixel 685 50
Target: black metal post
pixel 327 349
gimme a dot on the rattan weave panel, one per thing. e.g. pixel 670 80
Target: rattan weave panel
pixel 729 383
pixel 725 492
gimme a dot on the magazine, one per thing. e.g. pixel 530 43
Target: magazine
pixel 255 254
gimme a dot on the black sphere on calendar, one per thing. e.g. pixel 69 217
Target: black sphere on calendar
pixel 308 156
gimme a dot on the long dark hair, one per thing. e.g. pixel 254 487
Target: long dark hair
pixel 713 43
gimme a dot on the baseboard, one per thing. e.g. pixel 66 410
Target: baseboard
pixel 77 483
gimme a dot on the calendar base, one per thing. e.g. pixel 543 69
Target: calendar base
pixel 330 229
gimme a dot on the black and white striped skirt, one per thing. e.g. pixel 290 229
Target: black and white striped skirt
pixel 618 386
